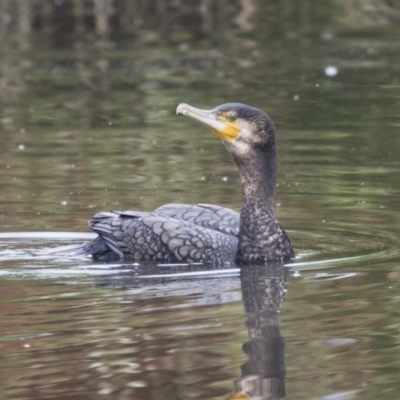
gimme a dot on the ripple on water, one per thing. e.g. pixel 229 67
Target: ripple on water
pixel 39 254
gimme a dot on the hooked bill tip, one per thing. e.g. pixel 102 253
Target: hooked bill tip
pixel 182 109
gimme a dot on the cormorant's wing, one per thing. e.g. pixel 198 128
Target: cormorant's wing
pixel 133 235
pixel 208 216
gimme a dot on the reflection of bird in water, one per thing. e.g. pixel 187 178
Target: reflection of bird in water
pixel 177 233
pixel 263 375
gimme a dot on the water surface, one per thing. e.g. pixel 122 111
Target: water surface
pixel 87 123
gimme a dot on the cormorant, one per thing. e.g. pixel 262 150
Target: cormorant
pixel 202 233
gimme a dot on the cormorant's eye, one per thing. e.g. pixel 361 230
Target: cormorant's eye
pixel 232 116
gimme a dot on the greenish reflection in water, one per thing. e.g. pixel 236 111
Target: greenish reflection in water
pixel 87 99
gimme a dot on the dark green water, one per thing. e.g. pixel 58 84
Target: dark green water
pixel 88 91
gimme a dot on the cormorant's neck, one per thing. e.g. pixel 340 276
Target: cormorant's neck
pixel 258 176
pixel 261 238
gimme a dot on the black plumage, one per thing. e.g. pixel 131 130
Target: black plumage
pixel 202 233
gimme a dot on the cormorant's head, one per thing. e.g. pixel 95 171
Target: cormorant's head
pixel 240 127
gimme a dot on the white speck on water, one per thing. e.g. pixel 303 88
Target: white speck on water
pixel 370 50
pixel 278 204
pixel 331 70
pixel 136 384
pixel 64 203
pixel 27 345
pixel 23 131
pixel 317 84
pixel 296 97
pixel 183 47
pixel 381 206
pixel 327 35
pixel 225 178
pixel 21 147
pixel 362 183
pixel 323 221
pixel 105 391
pixel 341 395
pixel 96 365
pixel 202 178
pixel 8 166
pixel 203 9
pixel 341 341
pixel 110 123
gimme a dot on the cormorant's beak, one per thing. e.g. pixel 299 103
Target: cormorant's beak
pixel 222 127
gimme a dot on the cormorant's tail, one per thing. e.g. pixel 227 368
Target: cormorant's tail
pixel 99 250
